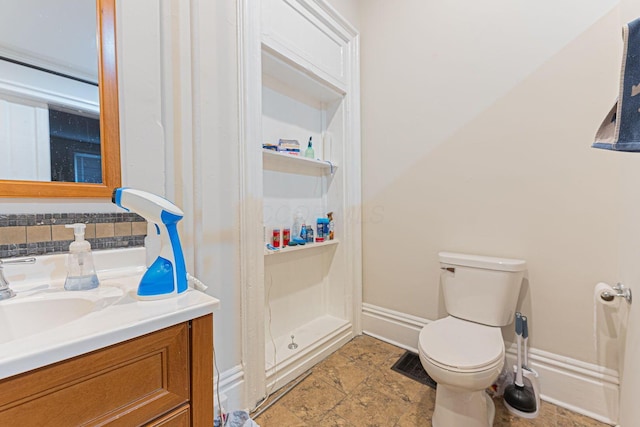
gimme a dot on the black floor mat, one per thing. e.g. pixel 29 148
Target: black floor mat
pixel 410 366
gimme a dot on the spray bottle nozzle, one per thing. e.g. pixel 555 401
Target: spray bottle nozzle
pixel 78 230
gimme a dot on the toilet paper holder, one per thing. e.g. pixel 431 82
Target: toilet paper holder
pixel 620 291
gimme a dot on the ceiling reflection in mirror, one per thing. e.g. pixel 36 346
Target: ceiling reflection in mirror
pixel 49 98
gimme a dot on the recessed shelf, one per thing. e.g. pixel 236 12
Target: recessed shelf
pixel 288 249
pixel 302 65
pixel 274 160
pixel 276 67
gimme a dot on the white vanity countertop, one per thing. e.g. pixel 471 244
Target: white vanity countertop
pixel 118 316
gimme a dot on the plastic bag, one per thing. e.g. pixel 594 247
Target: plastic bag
pixel 236 419
pixel 505 378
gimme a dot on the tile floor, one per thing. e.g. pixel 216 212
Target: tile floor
pixel 355 387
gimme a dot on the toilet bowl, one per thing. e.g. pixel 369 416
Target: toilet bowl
pixel 464 358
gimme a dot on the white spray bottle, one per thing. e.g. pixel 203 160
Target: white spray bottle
pixel 81 273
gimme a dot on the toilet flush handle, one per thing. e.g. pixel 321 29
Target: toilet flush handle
pixel 449 269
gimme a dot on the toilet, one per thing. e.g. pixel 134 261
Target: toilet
pixel 464 352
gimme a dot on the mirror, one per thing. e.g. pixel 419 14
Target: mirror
pixel 76 153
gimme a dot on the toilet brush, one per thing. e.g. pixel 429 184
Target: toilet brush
pixel 525 336
pixel 517 396
pixel 530 375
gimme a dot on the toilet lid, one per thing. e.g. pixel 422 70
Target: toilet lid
pixel 461 344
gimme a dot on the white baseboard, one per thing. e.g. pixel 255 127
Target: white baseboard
pixel 392 326
pixel 230 389
pixel 581 387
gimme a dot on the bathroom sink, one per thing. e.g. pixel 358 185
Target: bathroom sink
pixel 45 324
pixel 24 316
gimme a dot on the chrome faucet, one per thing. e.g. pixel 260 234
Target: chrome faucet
pixel 5 291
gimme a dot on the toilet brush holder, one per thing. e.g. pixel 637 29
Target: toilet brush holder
pixel 531 379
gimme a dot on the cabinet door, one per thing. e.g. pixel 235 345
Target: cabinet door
pixel 178 418
pixel 128 384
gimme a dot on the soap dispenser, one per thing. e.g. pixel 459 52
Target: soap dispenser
pixel 81 273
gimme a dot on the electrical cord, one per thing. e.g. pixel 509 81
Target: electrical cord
pixel 275 350
pixel 196 283
pixel 222 415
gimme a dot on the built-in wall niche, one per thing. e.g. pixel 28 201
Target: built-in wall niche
pixel 309 290
pixel 301 80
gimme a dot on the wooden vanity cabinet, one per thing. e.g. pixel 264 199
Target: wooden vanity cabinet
pixel 177 418
pixel 164 378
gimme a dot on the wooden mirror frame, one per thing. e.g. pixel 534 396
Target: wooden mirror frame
pixel 109 124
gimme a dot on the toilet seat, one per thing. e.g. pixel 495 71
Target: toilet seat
pixel 461 346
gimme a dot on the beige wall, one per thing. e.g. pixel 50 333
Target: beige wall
pixel 349 9
pixel 630 267
pixel 476 129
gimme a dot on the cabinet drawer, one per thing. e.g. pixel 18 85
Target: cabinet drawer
pixel 127 384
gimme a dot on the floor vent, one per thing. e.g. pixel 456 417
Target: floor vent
pixel 410 366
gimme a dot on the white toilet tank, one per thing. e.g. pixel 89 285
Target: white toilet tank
pixel 481 289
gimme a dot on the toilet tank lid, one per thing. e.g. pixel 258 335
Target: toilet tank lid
pixel 481 261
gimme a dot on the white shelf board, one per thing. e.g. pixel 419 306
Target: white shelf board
pixel 298 77
pixel 274 160
pixel 288 249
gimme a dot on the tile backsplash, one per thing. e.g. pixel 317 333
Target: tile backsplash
pixel 39 234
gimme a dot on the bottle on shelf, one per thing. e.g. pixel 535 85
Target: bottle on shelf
pixel 331 225
pixel 322 229
pixel 297 225
pixel 275 241
pixel 303 232
pixel 309 153
pixel 309 235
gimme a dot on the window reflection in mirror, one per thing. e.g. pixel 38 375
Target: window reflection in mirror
pixel 49 97
pixel 74 139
